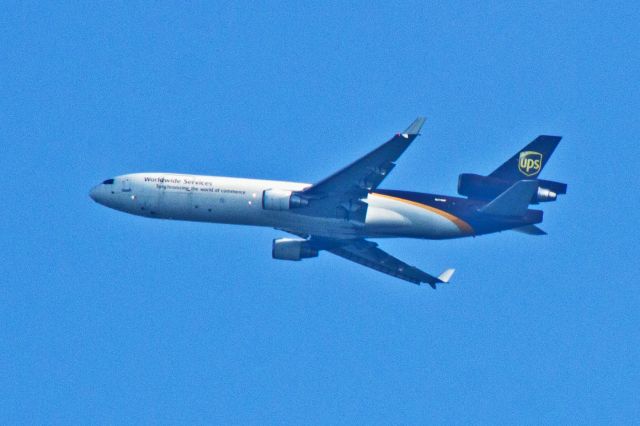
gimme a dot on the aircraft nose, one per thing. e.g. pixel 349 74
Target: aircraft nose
pixel 95 193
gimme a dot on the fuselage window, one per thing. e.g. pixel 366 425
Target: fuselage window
pixel 108 182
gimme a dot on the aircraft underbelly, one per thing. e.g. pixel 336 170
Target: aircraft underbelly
pixel 240 212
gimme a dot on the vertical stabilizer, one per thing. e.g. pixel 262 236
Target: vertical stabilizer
pixel 529 161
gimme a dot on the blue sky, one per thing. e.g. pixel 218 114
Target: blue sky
pixel 114 318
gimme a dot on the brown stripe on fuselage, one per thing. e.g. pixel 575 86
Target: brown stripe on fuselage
pixel 461 224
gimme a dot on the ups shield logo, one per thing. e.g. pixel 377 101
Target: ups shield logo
pixel 530 163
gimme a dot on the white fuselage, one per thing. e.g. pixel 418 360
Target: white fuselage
pixel 239 201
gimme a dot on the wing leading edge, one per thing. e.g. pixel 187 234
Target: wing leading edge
pixel 365 174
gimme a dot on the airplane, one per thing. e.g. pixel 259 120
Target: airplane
pixel 341 213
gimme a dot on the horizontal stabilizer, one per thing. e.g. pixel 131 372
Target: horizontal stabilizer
pixel 514 201
pixel 530 230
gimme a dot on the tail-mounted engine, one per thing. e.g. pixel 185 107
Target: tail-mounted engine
pixel 488 187
pixel 281 199
pixel 292 249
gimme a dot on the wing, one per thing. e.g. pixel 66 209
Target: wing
pixel 368 254
pixel 347 186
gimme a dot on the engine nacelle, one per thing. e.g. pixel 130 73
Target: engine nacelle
pixel 545 194
pixel 282 199
pixel 488 188
pixel 292 249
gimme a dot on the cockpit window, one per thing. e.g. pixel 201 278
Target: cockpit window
pixel 108 182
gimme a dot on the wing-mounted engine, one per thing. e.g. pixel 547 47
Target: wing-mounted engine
pixel 488 187
pixel 292 249
pixel 282 199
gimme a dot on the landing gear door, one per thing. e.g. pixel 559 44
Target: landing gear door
pixel 126 185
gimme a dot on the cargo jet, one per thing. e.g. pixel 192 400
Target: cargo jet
pixel 340 213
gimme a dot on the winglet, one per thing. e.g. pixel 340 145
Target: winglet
pixel 414 128
pixel 446 275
